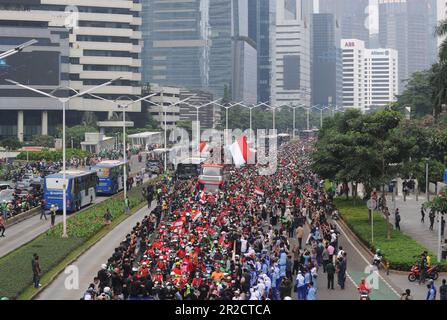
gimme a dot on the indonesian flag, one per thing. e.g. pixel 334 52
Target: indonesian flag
pixel 196 216
pixel 177 223
pixel 203 146
pixel 240 151
pixel 259 192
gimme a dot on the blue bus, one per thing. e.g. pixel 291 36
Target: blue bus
pixel 81 189
pixel 110 176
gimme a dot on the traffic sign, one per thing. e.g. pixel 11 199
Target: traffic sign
pixel 371 204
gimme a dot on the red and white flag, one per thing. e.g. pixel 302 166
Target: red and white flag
pixel 196 216
pixel 178 223
pixel 240 151
pixel 203 146
pixel 259 191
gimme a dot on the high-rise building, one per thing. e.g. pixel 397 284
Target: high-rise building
pixel 292 52
pixel 97 41
pixel 370 76
pixel 164 107
pixel 176 43
pixel 209 115
pixel 233 62
pixel 260 29
pixel 408 26
pixel 351 16
pixel 327 66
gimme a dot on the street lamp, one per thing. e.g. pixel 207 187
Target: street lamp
pixel 273 112
pixel 321 114
pixel 17 49
pixel 63 101
pixel 124 107
pixel 165 121
pixel 294 107
pixel 250 108
pixel 197 114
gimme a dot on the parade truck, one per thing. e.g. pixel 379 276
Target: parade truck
pixel 211 178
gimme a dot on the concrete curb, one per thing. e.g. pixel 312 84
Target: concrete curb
pixel 22 216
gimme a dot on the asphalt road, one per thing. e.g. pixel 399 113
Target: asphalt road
pixel 27 230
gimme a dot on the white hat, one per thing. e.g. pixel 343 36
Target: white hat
pixel 103 266
pixel 88 297
pixel 287 298
pixel 106 290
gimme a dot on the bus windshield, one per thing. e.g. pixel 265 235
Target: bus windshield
pixel 103 172
pixel 54 183
pixel 212 171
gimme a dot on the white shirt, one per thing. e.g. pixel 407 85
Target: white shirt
pixel 300 280
pixel 243 245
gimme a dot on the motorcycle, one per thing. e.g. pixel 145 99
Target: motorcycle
pixel 377 260
pixel 415 274
pixel 335 215
pixel 364 295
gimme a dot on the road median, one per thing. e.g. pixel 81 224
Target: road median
pixel 84 230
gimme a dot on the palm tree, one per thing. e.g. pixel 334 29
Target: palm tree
pixel 441 31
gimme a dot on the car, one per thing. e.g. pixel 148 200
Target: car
pixel 153 166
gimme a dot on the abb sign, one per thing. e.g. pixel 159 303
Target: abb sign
pixel 350 44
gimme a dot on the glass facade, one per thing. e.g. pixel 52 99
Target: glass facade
pixel 176 50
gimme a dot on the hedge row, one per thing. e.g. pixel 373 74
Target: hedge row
pixel 16 274
pixel 51 155
pixel 401 251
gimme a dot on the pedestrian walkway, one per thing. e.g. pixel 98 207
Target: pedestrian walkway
pixel 410 224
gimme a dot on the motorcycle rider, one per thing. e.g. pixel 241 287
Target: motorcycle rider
pixel 377 258
pixel 363 288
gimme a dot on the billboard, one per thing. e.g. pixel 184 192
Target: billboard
pixel 23 2
pixel 32 68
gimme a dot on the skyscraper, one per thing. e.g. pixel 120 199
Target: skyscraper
pixel 351 15
pixel 233 62
pixel 176 43
pixel 408 26
pixel 96 42
pixel 261 27
pixel 327 68
pixel 370 76
pixel 292 52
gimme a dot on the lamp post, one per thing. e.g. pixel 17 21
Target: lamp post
pixel 165 120
pixel 294 107
pixel 17 49
pixel 321 114
pixel 197 114
pixel 250 108
pixel 63 101
pixel 124 108
pixel 427 185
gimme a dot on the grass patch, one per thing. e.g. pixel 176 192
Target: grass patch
pixel 84 229
pixel 400 251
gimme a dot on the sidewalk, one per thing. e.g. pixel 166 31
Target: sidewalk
pixel 410 224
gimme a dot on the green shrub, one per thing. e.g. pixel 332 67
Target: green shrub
pixel 401 251
pixel 51 154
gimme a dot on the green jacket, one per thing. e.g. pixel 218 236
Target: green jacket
pixel 330 268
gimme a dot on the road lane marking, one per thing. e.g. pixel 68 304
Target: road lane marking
pixel 366 260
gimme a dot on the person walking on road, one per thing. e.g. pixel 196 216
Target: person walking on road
pixel 2 226
pixel 35 265
pixel 42 210
pixel 422 214
pixel 443 290
pixel 330 269
pixel 53 211
pixel 311 292
pixel 341 273
pixel 300 235
pixel 431 293
pixel 397 219
pixel 432 219
pixel 126 205
pixel 301 286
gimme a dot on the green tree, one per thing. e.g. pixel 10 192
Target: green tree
pixel 11 143
pixel 77 134
pixel 43 141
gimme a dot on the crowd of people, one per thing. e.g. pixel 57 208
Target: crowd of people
pixel 238 244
